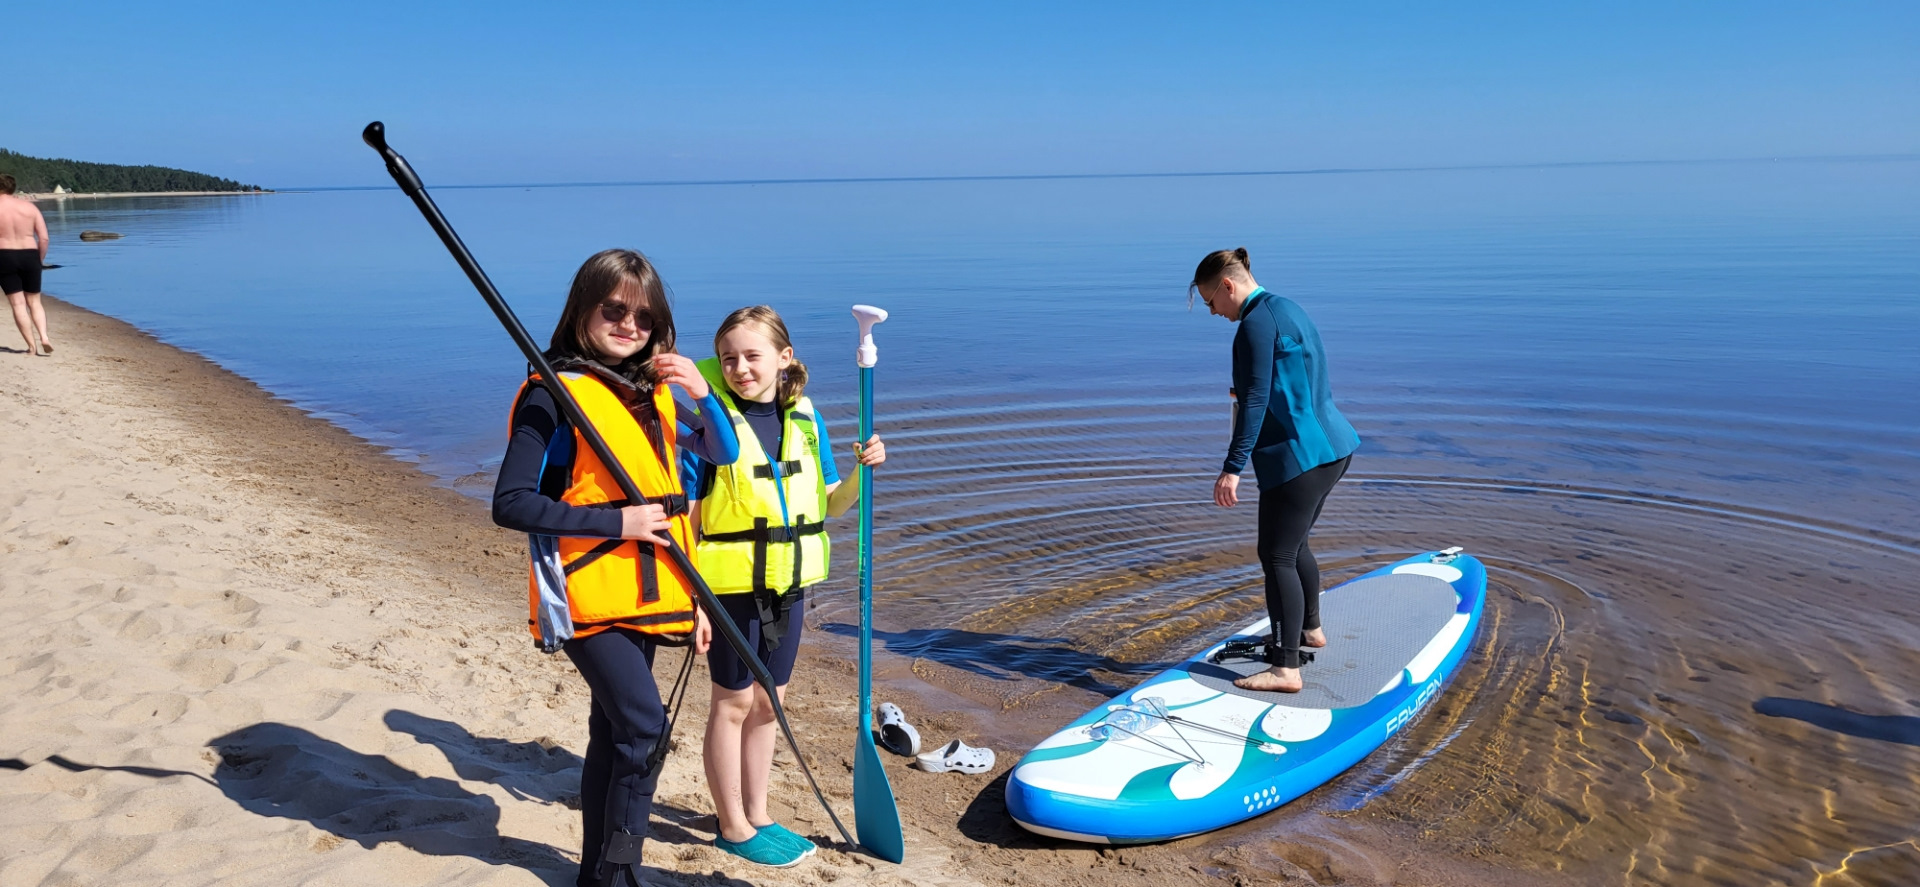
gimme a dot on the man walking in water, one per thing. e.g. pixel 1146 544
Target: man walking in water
pixel 23 249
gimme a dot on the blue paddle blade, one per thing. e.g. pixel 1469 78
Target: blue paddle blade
pixel 876 819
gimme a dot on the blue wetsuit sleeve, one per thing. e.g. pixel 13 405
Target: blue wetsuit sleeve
pixel 829 473
pixel 705 430
pixel 1253 347
pixel 518 503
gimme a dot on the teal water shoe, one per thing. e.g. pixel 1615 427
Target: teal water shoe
pixel 806 845
pixel 766 847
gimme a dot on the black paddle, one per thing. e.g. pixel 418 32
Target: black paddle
pixel 376 137
pixel 46 267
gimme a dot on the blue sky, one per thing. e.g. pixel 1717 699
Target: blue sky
pixel 275 94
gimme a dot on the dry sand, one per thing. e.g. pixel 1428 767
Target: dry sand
pixel 251 649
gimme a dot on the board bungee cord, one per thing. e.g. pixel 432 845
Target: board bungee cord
pixel 375 136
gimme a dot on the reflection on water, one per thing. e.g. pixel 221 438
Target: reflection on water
pixel 1670 409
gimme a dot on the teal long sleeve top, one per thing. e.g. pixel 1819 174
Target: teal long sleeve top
pixel 1285 423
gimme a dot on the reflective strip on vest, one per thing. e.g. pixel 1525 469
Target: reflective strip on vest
pixel 583 585
pixel 745 544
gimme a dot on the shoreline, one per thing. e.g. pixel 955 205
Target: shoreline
pixel 89 194
pixel 247 629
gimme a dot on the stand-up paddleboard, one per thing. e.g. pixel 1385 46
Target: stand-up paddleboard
pixel 1188 752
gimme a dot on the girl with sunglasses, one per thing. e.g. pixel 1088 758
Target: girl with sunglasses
pixel 600 587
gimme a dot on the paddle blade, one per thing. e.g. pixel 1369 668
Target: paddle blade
pixel 876 818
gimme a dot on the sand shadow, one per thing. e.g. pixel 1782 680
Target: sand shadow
pixel 283 771
pixel 1006 657
pixel 1904 729
pixel 541 770
pixel 988 822
pixel 76 767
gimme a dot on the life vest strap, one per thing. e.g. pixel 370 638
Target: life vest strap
pixel 649 565
pixel 647 621
pixel 764 534
pixel 676 504
pixel 605 547
pixel 789 468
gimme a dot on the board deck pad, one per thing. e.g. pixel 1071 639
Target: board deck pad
pixel 1374 627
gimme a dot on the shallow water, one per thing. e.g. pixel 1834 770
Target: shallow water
pixel 1670 406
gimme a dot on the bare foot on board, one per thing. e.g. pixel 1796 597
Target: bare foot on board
pixel 1273 680
pixel 1313 637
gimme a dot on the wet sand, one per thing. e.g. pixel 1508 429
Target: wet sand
pixel 255 649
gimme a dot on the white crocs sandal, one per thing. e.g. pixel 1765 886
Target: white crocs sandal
pixel 896 734
pixel 957 755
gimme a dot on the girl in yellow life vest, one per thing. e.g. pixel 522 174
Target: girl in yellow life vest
pixel 599 585
pixel 763 541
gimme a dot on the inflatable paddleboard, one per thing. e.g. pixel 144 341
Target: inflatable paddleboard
pixel 1187 752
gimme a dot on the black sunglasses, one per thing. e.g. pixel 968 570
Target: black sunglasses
pixel 615 312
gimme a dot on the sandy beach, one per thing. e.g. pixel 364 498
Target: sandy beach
pixel 255 650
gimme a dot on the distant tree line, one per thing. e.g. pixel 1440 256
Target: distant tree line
pixel 41 174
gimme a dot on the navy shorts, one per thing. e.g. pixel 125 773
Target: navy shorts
pixel 726 667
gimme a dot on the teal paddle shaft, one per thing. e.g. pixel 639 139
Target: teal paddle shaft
pixel 866 547
pixel 876 817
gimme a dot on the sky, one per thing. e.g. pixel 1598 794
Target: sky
pixel 494 93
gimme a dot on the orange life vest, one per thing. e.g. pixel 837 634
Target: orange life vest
pixel 579 586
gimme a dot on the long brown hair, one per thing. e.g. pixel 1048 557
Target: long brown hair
pixel 1216 265
pixel 793 379
pixel 604 274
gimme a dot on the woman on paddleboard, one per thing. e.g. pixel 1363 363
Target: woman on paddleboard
pixel 1285 423
pixel 599 586
pixel 763 542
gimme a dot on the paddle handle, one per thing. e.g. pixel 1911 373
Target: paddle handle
pixel 867 315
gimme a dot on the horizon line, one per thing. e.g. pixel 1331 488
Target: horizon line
pixel 1027 177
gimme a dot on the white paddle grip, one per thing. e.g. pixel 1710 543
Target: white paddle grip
pixel 867 315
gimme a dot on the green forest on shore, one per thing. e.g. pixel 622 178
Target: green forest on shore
pixel 39 175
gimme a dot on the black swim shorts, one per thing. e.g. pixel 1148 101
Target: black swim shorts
pixel 19 271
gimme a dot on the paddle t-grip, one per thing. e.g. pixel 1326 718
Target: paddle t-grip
pixel 867 315
pixel 375 135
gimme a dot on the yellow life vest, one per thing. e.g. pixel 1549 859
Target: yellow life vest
pixel 580 586
pixel 746 544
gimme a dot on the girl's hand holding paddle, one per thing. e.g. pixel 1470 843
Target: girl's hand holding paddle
pixel 645 523
pixel 678 369
pixel 1226 490
pixel 872 453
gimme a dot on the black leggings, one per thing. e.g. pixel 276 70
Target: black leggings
pixel 1287 514
pixel 627 718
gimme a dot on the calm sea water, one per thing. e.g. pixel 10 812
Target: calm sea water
pixel 1671 405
